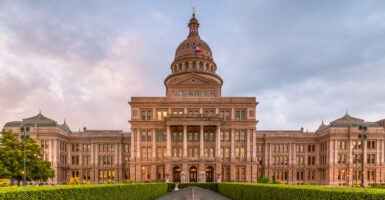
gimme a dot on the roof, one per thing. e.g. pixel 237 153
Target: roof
pixel 347 121
pixel 38 120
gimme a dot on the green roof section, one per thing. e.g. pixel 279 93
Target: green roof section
pixel 40 121
pixel 347 121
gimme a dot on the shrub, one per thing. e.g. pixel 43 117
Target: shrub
pixel 4 182
pixel 136 191
pixel 74 181
pixel 127 181
pixel 246 191
pixel 263 179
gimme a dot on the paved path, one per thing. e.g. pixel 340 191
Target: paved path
pixel 192 193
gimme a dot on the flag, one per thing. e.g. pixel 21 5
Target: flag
pixel 197 50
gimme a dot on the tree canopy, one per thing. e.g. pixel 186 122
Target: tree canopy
pixel 12 159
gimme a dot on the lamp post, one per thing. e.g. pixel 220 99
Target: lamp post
pixel 23 138
pixel 356 161
pixel 362 136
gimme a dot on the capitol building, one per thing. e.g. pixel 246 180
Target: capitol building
pixel 194 134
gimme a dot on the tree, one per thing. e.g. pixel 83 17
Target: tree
pixel 12 162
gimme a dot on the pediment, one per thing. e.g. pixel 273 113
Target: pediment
pixel 192 79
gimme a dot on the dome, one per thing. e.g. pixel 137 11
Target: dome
pixel 188 48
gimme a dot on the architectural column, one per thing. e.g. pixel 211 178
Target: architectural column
pixel 184 141
pixel 232 145
pixel 132 149
pixel 201 142
pixel 248 138
pixel 168 148
pixel 218 143
pixel 153 144
pixel 138 144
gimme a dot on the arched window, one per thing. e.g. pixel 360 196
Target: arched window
pixel 200 66
pixel 194 65
pixel 186 66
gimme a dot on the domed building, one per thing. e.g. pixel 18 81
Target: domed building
pixel 186 136
pixel 194 134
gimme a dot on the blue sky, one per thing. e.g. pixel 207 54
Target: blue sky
pixel 304 61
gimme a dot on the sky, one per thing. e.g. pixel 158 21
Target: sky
pixel 81 61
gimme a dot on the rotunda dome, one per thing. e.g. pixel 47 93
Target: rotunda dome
pixel 193 45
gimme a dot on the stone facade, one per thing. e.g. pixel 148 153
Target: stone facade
pixel 193 134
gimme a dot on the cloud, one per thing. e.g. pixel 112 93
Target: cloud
pixel 304 61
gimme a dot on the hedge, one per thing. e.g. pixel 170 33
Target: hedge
pixel 137 191
pixel 248 191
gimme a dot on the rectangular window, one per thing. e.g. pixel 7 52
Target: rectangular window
pixel 75 160
pixel 75 147
pixel 146 114
pixel 161 114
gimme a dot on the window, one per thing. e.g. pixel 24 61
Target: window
pixel 161 114
pixel 146 153
pixel 240 136
pixel 146 136
pixel 106 160
pixel 75 173
pixel 299 148
pixel 177 137
pixel 300 175
pixel 311 160
pixel 225 153
pixel 259 148
pixel 209 137
pixel 177 152
pixel 240 115
pixel 209 152
pixel 225 136
pixel 106 148
pixel 341 158
pixel 161 152
pixel 86 160
pixel 371 158
pixel 106 174
pixel 126 148
pixel 161 136
pixel 341 175
pixel 180 93
pixel 196 93
pixel 193 152
pixel 240 153
pixel 146 114
pixel 75 160
pixel 240 173
pixel 341 144
pixel 205 93
pixel 75 147
pixel 86 147
pixel 177 111
pixel 193 137
pixel 371 144
pixel 311 148
pixel 300 160
pixel 44 144
pixel 225 114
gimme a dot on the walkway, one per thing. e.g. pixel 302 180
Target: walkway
pixel 192 193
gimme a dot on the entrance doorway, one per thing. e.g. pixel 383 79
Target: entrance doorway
pixel 209 174
pixel 193 174
pixel 176 173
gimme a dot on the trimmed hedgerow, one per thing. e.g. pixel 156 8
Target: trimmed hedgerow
pixel 248 191
pixel 138 191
